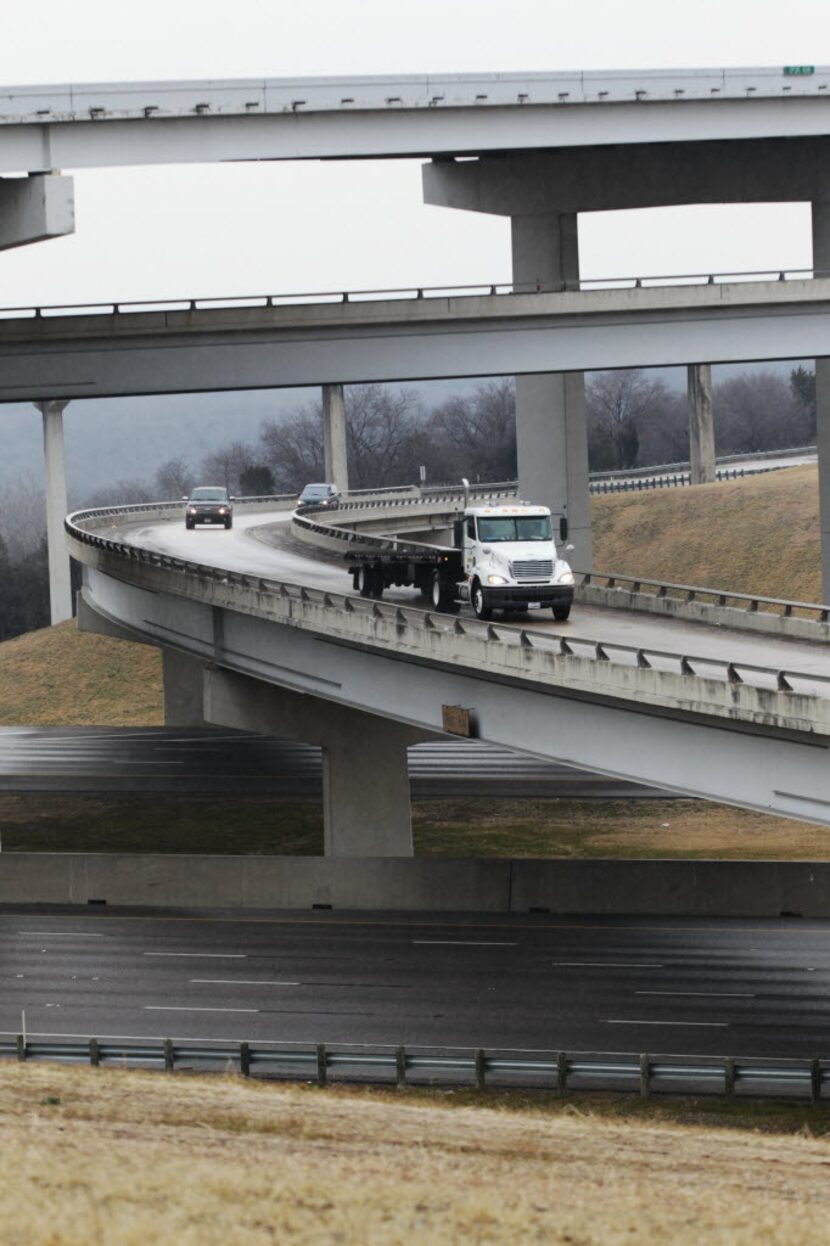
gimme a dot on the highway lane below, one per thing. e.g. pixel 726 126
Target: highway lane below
pixel 667 986
pixel 217 761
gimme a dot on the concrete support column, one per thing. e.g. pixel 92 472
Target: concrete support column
pixel 183 687
pixel 701 424
pixel 60 584
pixel 366 803
pixel 551 430
pixel 821 263
pixel 334 437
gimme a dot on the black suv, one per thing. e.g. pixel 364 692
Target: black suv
pixel 318 495
pixel 208 504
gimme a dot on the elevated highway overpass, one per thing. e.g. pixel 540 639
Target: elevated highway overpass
pixel 233 344
pixel 260 634
pixel 537 148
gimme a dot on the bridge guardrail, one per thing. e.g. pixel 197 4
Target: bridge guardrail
pixel 111 307
pixel 736 689
pixel 559 1071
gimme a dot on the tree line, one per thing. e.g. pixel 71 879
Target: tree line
pixel 633 419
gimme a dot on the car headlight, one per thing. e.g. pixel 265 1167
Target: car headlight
pixel 191 510
pixel 496 579
pixel 223 510
pixel 324 502
pixel 567 577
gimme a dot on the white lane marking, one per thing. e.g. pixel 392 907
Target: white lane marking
pixel 242 982
pixel 608 964
pixel 463 943
pixel 208 955
pixel 717 1025
pixel 704 994
pixel 178 1008
pixel 60 934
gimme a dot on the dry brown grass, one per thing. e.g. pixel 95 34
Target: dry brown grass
pixel 757 535
pixel 125 1159
pixel 59 676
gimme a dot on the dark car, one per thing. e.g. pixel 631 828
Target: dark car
pixel 209 504
pixel 318 495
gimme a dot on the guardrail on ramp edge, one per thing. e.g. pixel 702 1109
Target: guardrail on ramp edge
pixel 559 1071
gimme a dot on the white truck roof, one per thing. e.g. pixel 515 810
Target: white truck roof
pixel 517 508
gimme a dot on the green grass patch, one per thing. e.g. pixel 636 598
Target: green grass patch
pixel 268 826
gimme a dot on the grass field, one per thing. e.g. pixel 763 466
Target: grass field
pixel 113 1158
pixel 263 825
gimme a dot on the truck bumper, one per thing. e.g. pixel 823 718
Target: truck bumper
pixel 520 596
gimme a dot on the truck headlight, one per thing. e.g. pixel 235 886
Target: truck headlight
pixel 496 579
pixel 567 577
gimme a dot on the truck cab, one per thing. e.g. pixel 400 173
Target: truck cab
pixel 510 561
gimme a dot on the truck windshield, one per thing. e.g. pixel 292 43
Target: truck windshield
pixel 515 528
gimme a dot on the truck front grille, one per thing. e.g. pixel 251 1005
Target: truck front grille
pixel 532 570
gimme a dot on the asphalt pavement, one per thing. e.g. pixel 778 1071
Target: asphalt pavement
pixel 157 759
pixel 666 986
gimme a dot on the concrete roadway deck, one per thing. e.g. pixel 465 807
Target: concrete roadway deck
pixel 248 548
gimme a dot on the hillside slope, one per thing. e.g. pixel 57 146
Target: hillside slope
pixel 756 535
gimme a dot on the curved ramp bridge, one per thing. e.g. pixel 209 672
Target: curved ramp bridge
pixel 367 679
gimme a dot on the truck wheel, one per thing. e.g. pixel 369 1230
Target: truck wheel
pixel 560 613
pixel 441 596
pixel 480 609
pixel 377 582
pixel 364 580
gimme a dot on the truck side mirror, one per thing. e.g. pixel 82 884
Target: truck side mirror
pixel 563 527
pixel 458 533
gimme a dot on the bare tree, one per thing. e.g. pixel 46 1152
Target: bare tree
pixel 293 447
pixel 474 435
pixel 620 404
pixel 757 411
pixel 225 465
pixel 174 479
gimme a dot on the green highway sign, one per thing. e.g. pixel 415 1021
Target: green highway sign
pixel 796 71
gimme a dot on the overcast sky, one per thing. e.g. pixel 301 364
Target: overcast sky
pixel 245 229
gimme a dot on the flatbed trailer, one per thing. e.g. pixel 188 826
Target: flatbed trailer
pixel 485 567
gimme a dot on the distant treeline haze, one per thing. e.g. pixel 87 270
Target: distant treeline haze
pixel 634 420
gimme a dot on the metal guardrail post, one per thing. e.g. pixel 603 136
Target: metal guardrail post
pixel 244 1060
pixel 645 1076
pixel 322 1065
pixel 169 1055
pixel 400 1067
pixel 562 1073
pixel 815 1082
pixel 21 1047
pixel 729 1077
pixel 94 1053
pixel 480 1068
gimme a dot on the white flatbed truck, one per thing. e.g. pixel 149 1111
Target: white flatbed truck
pixel 502 558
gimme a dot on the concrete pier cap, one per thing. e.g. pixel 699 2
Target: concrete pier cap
pixel 35 208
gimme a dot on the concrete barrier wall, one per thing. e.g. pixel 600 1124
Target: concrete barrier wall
pixel 738 618
pixel 667 888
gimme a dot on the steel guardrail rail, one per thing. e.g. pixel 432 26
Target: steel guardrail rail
pixel 556 1070
pixel 553 645
pixel 110 307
